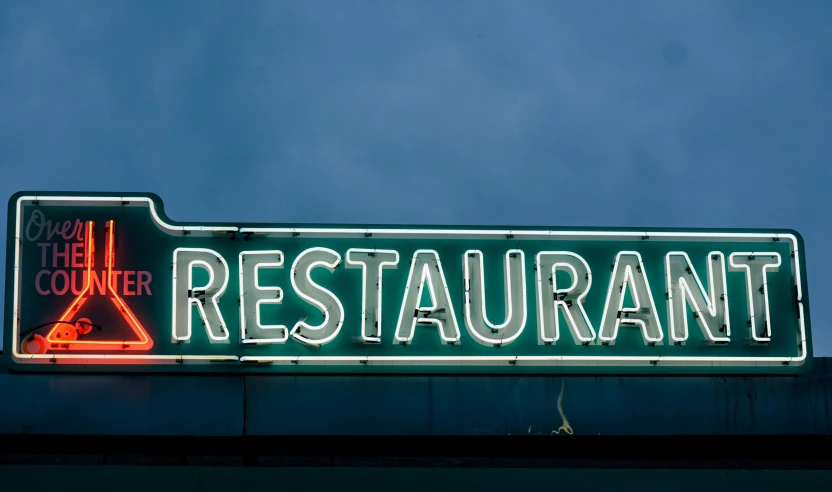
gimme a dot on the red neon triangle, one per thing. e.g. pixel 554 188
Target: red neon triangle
pixel 65 336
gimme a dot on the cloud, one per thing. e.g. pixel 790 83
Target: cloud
pixel 479 112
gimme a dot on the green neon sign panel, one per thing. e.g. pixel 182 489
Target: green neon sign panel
pixel 107 282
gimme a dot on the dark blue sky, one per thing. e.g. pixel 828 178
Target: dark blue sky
pixel 592 113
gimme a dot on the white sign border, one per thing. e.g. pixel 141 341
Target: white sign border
pixel 570 360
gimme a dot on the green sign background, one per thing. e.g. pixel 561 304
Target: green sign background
pixel 143 245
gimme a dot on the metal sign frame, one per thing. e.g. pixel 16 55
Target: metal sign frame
pixel 655 362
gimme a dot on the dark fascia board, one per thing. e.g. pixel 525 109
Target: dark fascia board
pixel 679 452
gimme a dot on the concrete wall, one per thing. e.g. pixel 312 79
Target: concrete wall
pixel 168 405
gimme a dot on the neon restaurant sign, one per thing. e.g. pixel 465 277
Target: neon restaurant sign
pixel 103 282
